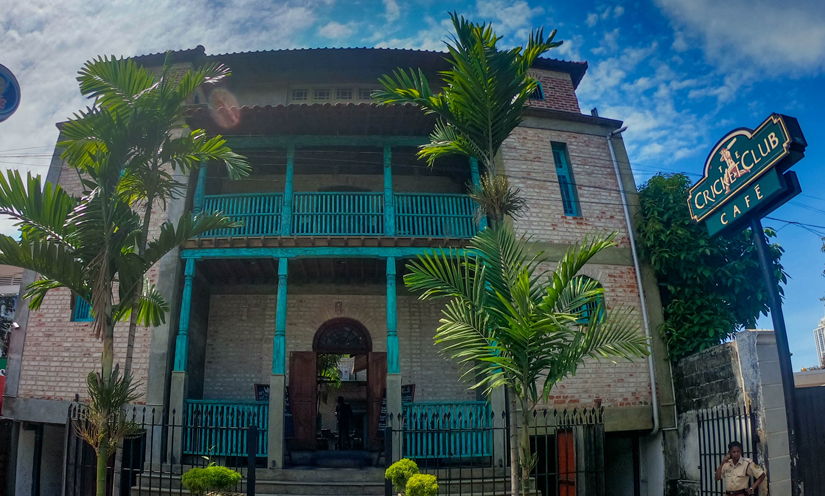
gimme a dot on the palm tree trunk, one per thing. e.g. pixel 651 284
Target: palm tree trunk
pixel 102 469
pixel 514 459
pixel 526 455
pixel 130 342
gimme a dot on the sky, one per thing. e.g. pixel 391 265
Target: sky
pixel 680 74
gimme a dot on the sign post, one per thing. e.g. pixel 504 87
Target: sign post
pixel 745 178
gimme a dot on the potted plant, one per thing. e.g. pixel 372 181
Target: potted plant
pixel 212 480
pixel 400 472
pixel 422 485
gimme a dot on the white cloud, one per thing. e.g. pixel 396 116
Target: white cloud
pixel 391 10
pixel 609 43
pixel 618 11
pixel 429 38
pixel 336 30
pixel 510 18
pixel 768 36
pixel 592 19
pixel 45 43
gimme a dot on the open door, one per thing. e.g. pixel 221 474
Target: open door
pixel 302 391
pixel 376 387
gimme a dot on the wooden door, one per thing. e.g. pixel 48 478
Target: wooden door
pixel 302 392
pixel 566 453
pixel 376 388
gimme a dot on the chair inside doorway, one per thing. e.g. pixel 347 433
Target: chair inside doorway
pixel 336 390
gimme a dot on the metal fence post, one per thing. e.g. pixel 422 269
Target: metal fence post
pixel 251 454
pixel 388 454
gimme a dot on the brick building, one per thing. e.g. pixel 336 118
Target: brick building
pixel 335 205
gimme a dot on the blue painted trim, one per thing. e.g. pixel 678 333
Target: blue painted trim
pixel 474 175
pixel 182 342
pixel 309 252
pixel 200 190
pixel 393 353
pixel 279 341
pixel 389 209
pixel 286 213
pixel 567 184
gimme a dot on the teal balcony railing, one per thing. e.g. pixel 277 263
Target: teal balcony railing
pixel 260 214
pixel 346 214
pixel 213 427
pixel 461 429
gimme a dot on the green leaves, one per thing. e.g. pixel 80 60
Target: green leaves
pixel 710 287
pixel 508 323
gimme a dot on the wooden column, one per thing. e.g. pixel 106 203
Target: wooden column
pixel 200 190
pixel 182 343
pixel 482 222
pixel 279 343
pixel 389 206
pixel 286 212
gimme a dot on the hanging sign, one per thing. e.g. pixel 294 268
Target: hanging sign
pixel 744 174
pixel 9 93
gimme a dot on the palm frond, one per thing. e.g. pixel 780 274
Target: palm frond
pixel 189 226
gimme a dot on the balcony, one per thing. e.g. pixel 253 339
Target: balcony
pixel 417 215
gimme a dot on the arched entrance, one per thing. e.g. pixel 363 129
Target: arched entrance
pixel 340 346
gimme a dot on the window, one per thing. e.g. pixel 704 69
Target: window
pixel 594 309
pixel 538 93
pixel 343 94
pixel 82 311
pixel 300 94
pixel 569 195
pixel 320 94
pixel 365 93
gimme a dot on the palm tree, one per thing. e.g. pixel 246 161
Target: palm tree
pixel 510 323
pixel 154 107
pixel 482 101
pixel 87 244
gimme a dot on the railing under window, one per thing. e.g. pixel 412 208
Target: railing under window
pixel 260 214
pixel 448 430
pixel 346 214
pixel 212 427
pixel 436 216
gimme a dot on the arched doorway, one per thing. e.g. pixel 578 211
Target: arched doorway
pixel 341 346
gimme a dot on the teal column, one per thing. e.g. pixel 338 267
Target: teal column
pixel 200 190
pixel 182 343
pixel 392 320
pixel 279 343
pixel 482 222
pixel 389 204
pixel 286 213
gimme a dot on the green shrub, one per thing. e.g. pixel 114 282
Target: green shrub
pixel 212 478
pixel 422 485
pixel 400 472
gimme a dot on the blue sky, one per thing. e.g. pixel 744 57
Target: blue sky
pixel 679 73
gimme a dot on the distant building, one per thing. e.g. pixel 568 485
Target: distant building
pixel 819 337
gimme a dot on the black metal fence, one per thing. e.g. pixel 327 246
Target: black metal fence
pixel 471 455
pixel 810 405
pixel 718 427
pixel 152 462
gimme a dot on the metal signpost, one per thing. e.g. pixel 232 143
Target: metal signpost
pixel 745 178
pixel 9 93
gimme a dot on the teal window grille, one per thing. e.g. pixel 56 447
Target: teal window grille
pixel 82 311
pixel 538 93
pixel 594 309
pixel 569 195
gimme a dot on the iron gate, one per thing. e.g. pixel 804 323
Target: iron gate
pixel 810 405
pixel 718 426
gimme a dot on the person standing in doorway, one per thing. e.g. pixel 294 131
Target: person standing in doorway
pixel 343 412
pixel 736 471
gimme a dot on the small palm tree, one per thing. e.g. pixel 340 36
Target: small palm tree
pixel 482 101
pixel 510 323
pixel 153 107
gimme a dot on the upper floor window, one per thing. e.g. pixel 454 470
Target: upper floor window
pixel 594 309
pixel 321 94
pixel 82 311
pixel 343 94
pixel 569 195
pixel 326 94
pixel 538 93
pixel 300 94
pixel 365 94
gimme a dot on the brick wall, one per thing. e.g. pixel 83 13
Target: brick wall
pixel 528 162
pixel 59 354
pixel 241 328
pixel 559 93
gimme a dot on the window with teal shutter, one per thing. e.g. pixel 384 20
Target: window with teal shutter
pixel 538 93
pixel 569 195
pixel 82 311
pixel 594 309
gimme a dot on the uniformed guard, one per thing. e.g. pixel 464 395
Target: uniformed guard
pixel 737 472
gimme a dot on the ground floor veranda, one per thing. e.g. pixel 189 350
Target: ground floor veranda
pixel 256 333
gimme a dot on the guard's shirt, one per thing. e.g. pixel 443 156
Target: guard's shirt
pixel 737 477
